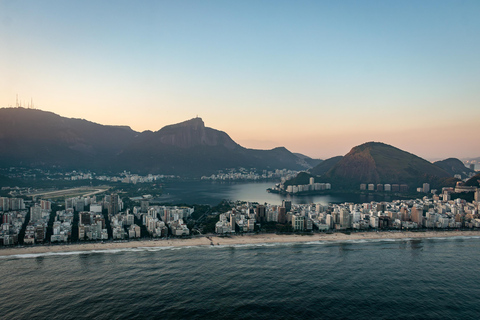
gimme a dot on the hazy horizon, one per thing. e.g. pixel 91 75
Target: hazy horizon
pixel 316 77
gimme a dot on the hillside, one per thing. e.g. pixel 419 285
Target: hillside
pixel 473 181
pixel 309 161
pixel 30 137
pixel 191 148
pixel 375 162
pixel 324 166
pixel 35 138
pixel 454 166
pixel 301 179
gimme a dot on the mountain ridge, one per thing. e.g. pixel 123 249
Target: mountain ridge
pixel 33 137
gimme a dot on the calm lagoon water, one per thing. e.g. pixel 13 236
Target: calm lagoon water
pixel 208 192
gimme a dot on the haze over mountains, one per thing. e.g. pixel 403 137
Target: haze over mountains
pixel 30 137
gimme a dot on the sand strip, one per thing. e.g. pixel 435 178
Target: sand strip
pixel 233 240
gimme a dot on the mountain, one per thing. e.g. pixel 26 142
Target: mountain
pixel 324 166
pixel 454 166
pixel 30 137
pixel 473 181
pixel 309 161
pixel 35 138
pixel 376 162
pixel 190 147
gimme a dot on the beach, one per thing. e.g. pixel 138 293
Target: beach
pixel 245 239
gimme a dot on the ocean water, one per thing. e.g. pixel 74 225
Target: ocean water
pixel 364 279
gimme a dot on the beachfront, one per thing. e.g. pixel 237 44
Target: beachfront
pixel 233 240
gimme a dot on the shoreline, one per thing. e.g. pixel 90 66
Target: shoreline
pixel 232 240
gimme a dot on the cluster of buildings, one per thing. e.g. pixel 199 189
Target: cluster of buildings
pixel 439 212
pixel 159 220
pixel 387 187
pixel 13 215
pixel 62 226
pixel 42 174
pixel 36 230
pixel 245 216
pixel 127 177
pixel 252 174
pixel 104 219
pixel 294 189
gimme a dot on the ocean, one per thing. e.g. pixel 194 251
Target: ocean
pixel 363 279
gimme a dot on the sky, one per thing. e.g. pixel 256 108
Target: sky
pixel 318 77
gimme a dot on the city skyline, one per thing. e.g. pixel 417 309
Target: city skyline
pixel 315 77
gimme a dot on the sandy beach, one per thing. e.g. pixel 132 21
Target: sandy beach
pixel 233 240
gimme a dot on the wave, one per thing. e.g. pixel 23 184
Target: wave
pixel 222 246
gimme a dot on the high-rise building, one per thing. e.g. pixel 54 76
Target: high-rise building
pixel 260 213
pixel 144 205
pixel 4 204
pixel 232 221
pixel 84 218
pixel 35 213
pixel 298 222
pixel 113 207
pixel 426 188
pixel 79 204
pixel 282 215
pixel 417 215
pixel 287 204
pixel 345 220
pixel 45 205
pixel 381 207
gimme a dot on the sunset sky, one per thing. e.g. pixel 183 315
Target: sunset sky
pixel 317 77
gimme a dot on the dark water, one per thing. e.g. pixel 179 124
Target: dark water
pixel 402 279
pixel 212 193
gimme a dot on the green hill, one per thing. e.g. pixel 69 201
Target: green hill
pixel 376 162
pixel 473 181
pixel 301 179
pixel 454 166
pixel 324 166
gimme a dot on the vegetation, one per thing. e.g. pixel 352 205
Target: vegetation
pixel 474 181
pixel 375 162
pixel 324 166
pixel 454 166
pixel 301 178
pixel 209 225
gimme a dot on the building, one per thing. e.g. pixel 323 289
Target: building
pixel 426 188
pixel 298 222
pixel 113 207
pixel 287 204
pixel 260 213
